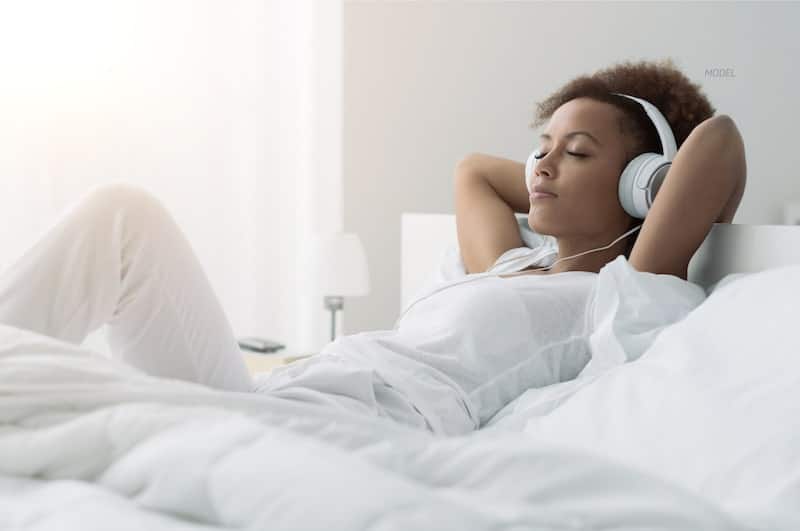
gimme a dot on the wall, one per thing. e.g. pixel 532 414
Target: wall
pixel 426 83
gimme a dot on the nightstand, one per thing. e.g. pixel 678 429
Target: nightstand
pixel 266 362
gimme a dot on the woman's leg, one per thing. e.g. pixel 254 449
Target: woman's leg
pixel 117 257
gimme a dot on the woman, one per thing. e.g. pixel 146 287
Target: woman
pixel 118 258
pixel 704 185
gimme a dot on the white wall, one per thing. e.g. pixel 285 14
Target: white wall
pixel 426 83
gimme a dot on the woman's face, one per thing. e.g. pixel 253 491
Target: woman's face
pixel 583 170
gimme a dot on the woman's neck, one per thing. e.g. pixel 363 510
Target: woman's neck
pixel 592 262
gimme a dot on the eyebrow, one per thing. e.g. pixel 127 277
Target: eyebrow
pixel 548 137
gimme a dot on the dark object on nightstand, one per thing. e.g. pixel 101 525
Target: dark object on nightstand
pixel 259 344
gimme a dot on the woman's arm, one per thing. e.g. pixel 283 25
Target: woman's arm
pixel 704 185
pixel 488 191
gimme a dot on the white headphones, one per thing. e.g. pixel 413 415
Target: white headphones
pixel 643 176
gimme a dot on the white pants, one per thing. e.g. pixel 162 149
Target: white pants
pixel 117 257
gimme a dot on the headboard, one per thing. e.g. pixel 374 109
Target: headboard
pixel 728 249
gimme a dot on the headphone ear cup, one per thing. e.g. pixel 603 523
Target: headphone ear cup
pixel 657 181
pixel 640 182
pixel 530 164
pixel 632 198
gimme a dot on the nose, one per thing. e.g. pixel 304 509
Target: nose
pixel 546 166
pixel 543 168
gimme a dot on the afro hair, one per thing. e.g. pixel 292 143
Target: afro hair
pixel 683 103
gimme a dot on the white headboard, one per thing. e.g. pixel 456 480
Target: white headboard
pixel 727 249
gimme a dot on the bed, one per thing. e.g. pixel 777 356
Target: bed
pixel 700 431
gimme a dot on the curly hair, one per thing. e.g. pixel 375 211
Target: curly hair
pixel 682 103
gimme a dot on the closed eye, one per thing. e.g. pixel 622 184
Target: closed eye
pixel 568 153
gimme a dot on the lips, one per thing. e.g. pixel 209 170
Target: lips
pixel 542 195
pixel 540 192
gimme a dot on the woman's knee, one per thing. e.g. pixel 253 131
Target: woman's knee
pixel 135 202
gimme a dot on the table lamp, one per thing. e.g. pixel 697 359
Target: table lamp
pixel 342 271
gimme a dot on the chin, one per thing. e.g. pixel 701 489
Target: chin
pixel 536 226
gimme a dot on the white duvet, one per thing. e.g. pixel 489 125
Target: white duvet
pixel 698 431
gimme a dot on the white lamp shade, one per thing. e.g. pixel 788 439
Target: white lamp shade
pixel 341 265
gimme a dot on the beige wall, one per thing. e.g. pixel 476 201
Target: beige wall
pixel 426 83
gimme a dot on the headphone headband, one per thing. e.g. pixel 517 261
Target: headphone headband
pixel 665 135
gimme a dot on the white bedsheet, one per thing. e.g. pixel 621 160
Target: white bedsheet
pixel 700 432
pixel 86 444
pixel 713 404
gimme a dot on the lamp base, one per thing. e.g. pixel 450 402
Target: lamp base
pixel 333 303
